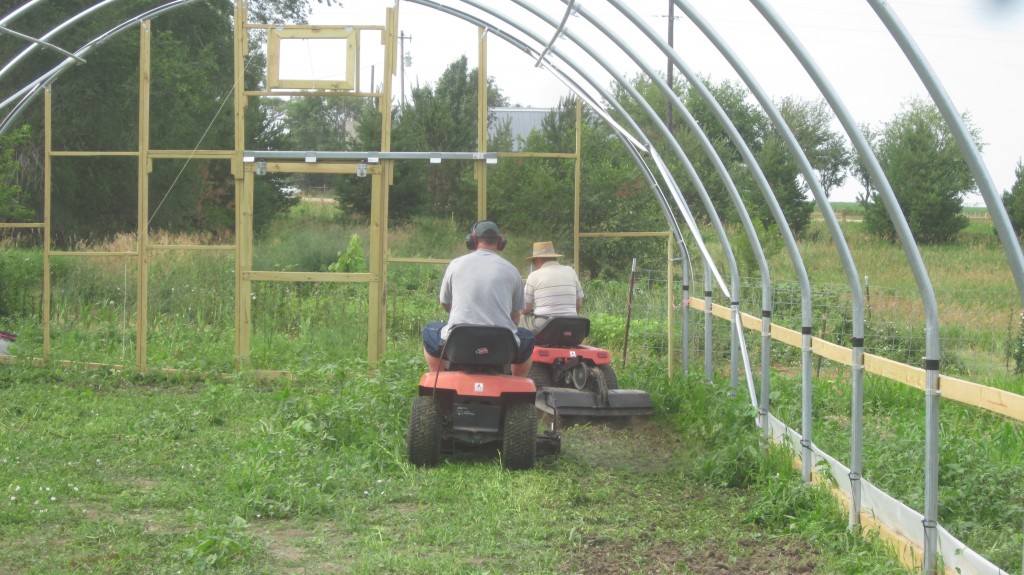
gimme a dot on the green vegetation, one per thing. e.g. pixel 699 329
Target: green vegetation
pixel 981 465
pixel 281 467
pixel 12 196
pixel 191 53
pixel 130 474
pixel 1013 199
pixel 928 175
pixel 220 473
pixel 978 303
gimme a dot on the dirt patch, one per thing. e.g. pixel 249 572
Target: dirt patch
pixel 285 545
pixel 642 556
pixel 769 557
pixel 599 557
pixel 294 550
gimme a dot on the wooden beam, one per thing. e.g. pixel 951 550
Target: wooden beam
pixel 624 234
pixel 992 399
pixel 266 276
pixel 322 167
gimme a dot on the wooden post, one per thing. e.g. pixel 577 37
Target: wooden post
pixel 142 225
pixel 480 166
pixel 47 228
pixel 576 187
pixel 243 195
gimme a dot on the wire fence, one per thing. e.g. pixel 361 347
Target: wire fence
pixel 981 332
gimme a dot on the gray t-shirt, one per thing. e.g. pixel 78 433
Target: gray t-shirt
pixel 482 288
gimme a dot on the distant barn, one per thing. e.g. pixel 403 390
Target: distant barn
pixel 521 121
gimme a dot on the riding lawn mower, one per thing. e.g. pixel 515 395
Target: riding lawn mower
pixel 474 404
pixel 577 382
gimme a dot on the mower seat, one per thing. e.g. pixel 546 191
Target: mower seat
pixel 563 332
pixel 480 345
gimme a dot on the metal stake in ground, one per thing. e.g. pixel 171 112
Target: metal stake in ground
pixel 629 310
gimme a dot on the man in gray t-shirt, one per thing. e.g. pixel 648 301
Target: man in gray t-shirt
pixel 481 288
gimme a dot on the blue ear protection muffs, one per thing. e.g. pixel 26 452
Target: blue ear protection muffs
pixel 480 227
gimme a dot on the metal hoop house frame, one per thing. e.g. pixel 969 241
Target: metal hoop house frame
pixel 543 36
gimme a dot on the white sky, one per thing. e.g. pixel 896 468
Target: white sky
pixel 976 48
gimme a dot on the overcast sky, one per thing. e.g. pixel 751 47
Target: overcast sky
pixel 976 48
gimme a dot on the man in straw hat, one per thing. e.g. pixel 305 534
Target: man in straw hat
pixel 552 289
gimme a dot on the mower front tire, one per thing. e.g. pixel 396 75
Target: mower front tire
pixel 541 376
pixel 424 434
pixel 519 437
pixel 610 380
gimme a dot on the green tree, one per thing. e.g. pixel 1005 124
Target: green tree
pixel 749 121
pixel 12 197
pixel 440 118
pixel 535 195
pixel 928 175
pixel 687 140
pixel 783 176
pixel 858 168
pixel 190 107
pixel 354 192
pixel 1013 201
pixel 825 149
pixel 444 118
pixel 322 124
pixel 615 198
pixel 518 188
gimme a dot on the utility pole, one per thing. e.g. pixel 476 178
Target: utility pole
pixel 405 59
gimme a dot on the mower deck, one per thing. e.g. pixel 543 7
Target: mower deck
pixel 562 401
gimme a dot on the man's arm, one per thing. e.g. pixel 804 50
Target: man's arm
pixel 447 307
pixel 515 316
pixel 579 305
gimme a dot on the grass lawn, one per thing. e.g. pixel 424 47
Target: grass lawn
pixel 104 472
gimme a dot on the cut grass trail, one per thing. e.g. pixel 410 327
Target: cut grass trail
pixel 104 472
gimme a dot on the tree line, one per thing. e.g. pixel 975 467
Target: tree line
pixel 95 108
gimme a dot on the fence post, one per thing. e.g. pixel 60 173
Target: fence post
pixel 629 311
pixel 685 336
pixel 707 324
pixel 669 301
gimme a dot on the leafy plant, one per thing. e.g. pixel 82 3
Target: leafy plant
pixel 223 545
pixel 352 259
pixel 1015 348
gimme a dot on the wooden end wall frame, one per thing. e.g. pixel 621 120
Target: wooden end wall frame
pixel 321 40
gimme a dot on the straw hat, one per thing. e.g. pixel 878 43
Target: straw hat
pixel 544 250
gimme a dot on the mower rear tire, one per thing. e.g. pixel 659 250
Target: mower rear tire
pixel 541 376
pixel 519 437
pixel 423 438
pixel 610 380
